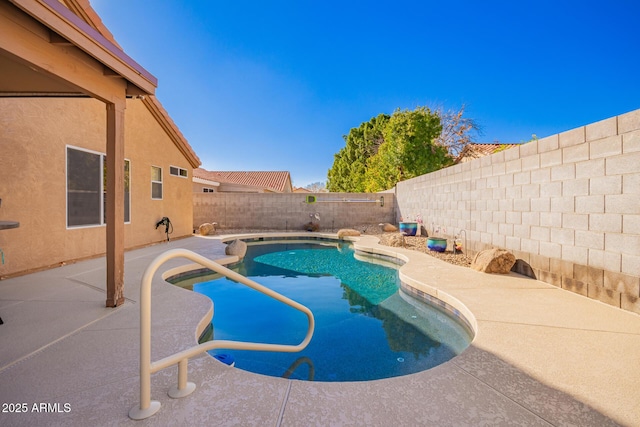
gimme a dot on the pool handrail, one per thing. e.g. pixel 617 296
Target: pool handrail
pixel 147 407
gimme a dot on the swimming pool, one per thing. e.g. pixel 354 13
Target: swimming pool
pixel 366 327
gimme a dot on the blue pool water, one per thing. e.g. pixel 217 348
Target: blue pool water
pixel 366 328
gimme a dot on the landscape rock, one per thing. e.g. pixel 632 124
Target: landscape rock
pixel 493 261
pixel 237 248
pixel 347 232
pixel 388 228
pixel 206 229
pixel 396 240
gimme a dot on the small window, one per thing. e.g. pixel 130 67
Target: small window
pixel 156 182
pixel 176 171
pixel 208 190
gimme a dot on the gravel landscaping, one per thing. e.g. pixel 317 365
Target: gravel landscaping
pixel 419 243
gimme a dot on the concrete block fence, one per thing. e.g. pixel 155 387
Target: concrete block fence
pixel 291 211
pixel 568 207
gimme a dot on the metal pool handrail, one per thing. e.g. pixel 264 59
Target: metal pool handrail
pixel 148 407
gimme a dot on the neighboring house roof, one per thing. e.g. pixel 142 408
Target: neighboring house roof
pixel 476 150
pixel 301 190
pixel 205 182
pixel 277 181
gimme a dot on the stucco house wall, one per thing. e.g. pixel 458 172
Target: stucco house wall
pixel 34 135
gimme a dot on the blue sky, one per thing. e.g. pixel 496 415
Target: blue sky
pixel 274 85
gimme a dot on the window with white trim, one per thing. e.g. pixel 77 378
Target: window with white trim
pixel 208 190
pixel 156 183
pixel 87 188
pixel 176 171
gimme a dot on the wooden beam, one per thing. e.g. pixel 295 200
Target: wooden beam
pixel 56 17
pixel 57 39
pixel 27 42
pixel 110 73
pixel 115 204
pixel 135 91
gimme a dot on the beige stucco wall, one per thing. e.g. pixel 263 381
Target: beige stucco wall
pixel 34 133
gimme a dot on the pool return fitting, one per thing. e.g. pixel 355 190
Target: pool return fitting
pixel 147 407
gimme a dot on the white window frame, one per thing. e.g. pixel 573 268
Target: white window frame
pixel 102 222
pixel 180 170
pixel 130 187
pixel 157 182
pixel 208 190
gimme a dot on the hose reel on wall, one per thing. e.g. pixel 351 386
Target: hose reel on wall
pixel 168 227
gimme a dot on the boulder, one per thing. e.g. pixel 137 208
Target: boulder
pixel 388 228
pixel 347 232
pixel 493 261
pixel 396 240
pixel 206 229
pixel 237 248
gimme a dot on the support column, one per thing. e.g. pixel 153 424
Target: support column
pixel 115 203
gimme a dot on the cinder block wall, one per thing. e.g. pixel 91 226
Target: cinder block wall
pixel 568 207
pixel 289 211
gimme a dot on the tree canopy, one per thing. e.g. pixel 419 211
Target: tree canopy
pixel 457 130
pixel 388 149
pixel 316 187
pixel 350 163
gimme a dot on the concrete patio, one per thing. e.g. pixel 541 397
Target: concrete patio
pixel 541 356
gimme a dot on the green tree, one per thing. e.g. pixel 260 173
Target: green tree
pixel 350 163
pixel 388 149
pixel 316 187
pixel 409 149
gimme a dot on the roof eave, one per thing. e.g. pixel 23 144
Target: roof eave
pixel 199 180
pixel 162 117
pixel 66 24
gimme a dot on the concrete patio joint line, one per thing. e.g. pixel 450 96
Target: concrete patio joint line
pixel 284 404
pixel 539 325
pixel 504 395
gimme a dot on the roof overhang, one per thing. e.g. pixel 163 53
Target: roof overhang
pixel 162 117
pixel 48 28
pixel 205 182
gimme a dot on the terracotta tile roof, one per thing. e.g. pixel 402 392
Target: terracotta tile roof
pixel 301 190
pixel 278 181
pixel 476 150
